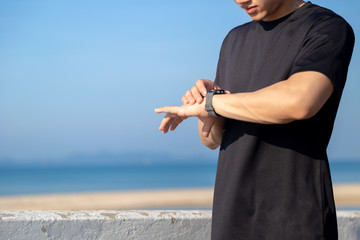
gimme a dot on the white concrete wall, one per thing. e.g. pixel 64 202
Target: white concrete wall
pixel 139 225
pixel 83 225
pixel 349 225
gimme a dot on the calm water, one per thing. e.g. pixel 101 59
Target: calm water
pixel 345 172
pixel 19 181
pixel 15 181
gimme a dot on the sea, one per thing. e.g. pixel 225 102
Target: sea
pixel 18 180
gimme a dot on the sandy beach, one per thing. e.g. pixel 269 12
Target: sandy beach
pixel 155 199
pixel 346 195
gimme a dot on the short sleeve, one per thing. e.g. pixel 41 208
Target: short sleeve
pixel 327 48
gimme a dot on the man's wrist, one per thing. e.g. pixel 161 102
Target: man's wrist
pixel 208 101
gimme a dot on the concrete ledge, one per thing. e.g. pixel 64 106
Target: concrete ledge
pixel 349 225
pixel 139 225
pixel 85 225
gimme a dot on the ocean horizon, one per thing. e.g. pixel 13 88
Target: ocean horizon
pixel 33 180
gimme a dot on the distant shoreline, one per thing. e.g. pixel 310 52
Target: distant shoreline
pixel 346 195
pixel 111 200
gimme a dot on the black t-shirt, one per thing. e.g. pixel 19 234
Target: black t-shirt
pixel 273 181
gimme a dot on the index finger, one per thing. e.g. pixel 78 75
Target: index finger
pixel 167 109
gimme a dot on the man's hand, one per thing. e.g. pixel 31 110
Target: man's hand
pixel 194 106
pixel 197 93
pixel 176 114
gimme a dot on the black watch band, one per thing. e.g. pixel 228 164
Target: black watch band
pixel 208 104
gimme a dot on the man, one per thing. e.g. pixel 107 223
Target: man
pixel 284 73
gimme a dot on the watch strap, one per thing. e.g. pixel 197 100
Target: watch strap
pixel 208 104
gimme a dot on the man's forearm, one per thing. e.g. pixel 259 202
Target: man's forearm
pixel 297 98
pixel 213 139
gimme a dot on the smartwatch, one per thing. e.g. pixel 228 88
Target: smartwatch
pixel 208 104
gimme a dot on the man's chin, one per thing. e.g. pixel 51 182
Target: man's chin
pixel 256 17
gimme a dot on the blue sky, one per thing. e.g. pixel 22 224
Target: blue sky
pixel 83 77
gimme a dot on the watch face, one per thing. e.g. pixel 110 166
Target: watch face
pixel 216 91
pixel 219 91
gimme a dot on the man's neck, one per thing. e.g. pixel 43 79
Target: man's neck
pixel 284 9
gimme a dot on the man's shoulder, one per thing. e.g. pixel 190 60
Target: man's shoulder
pixel 318 14
pixel 320 19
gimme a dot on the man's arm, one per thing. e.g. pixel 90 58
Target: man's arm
pixel 297 98
pixel 211 133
